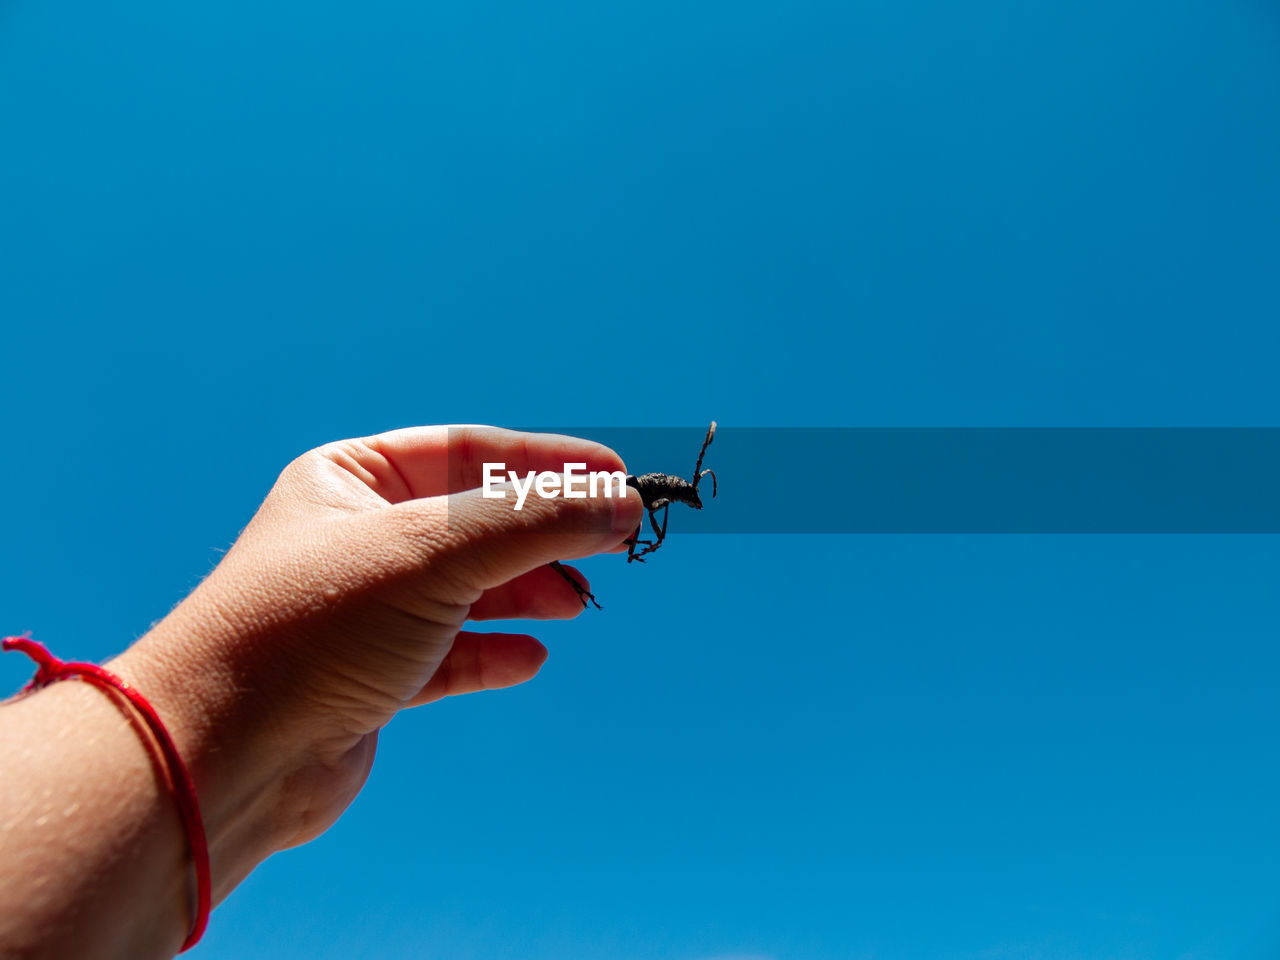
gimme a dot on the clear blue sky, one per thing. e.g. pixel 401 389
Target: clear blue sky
pixel 230 231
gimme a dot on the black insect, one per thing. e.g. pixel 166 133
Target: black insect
pixel 657 491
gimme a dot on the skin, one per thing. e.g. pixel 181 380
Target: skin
pixel 342 603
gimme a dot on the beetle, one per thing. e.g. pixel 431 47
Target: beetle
pixel 657 492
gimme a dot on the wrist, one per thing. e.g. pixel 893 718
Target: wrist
pixel 93 859
pixel 222 730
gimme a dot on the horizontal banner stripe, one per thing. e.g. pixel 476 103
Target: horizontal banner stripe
pixel 966 480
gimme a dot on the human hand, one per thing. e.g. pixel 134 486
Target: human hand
pixel 343 602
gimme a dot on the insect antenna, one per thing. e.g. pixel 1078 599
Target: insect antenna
pixel 697 476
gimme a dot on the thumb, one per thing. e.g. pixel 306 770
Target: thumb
pixel 488 541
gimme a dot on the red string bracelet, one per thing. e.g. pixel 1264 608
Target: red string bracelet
pixel 50 669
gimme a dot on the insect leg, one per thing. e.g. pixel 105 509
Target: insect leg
pixel 634 541
pixel 659 532
pixel 583 593
pixel 653 518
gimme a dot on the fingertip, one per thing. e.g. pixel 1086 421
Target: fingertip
pixel 541 654
pixel 521 657
pixel 544 593
pixel 628 512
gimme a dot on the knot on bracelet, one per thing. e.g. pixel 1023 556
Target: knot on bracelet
pixel 48 667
